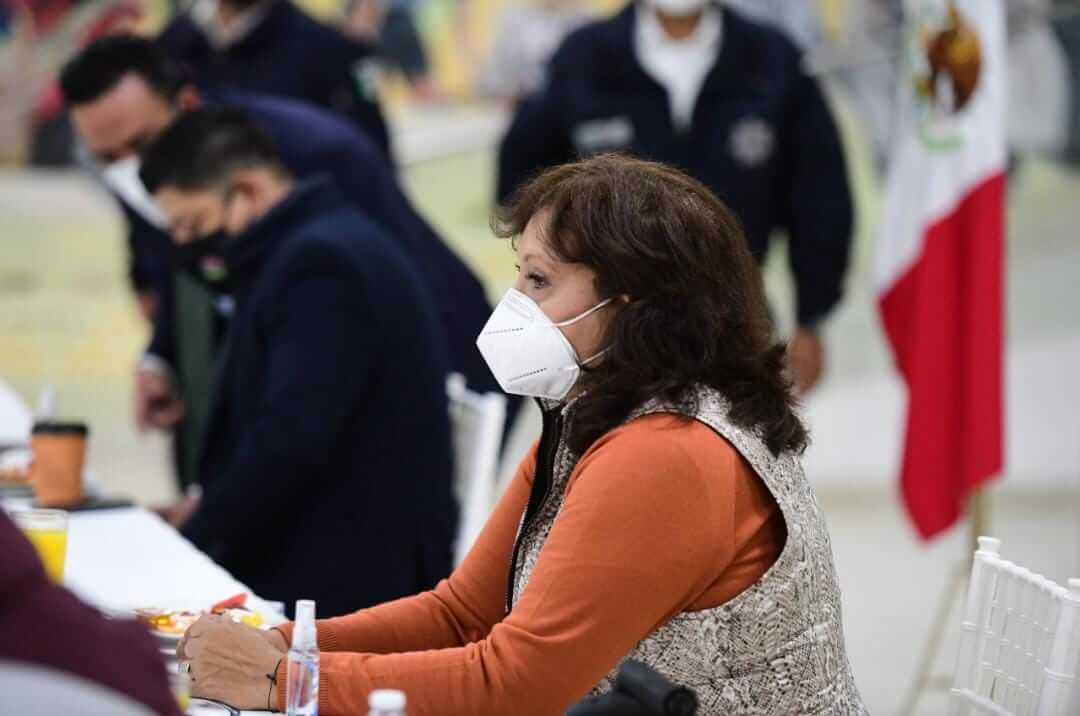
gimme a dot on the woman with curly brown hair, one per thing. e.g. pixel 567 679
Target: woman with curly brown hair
pixel 663 515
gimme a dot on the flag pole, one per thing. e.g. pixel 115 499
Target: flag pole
pixel 979 507
pixel 979 521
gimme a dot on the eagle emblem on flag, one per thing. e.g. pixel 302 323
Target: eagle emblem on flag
pixel 945 60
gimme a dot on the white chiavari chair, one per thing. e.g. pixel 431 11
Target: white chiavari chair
pixel 1019 641
pixel 476 422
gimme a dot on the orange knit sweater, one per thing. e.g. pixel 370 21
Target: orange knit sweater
pixel 661 516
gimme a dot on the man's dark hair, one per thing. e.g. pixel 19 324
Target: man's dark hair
pixel 203 147
pixel 691 307
pixel 100 66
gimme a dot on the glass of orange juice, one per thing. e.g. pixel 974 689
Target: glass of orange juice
pixel 47 531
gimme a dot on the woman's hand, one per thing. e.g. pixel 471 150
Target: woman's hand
pixel 231 662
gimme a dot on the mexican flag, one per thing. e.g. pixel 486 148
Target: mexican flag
pixel 939 272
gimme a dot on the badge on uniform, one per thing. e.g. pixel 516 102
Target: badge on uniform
pixel 602 135
pixel 365 76
pixel 752 142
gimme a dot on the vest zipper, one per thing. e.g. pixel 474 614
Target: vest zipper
pixel 545 465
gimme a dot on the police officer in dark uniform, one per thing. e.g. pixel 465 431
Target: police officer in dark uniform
pixel 123 91
pixel 274 47
pixel 725 99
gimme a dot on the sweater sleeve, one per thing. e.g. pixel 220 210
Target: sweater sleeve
pixel 460 610
pixel 646 526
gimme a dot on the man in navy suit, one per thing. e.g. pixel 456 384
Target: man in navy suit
pixel 327 465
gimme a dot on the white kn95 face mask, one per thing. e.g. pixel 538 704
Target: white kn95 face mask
pixel 527 352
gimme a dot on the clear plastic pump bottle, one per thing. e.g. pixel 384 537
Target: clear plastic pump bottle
pixel 302 694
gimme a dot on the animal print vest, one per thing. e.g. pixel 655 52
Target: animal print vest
pixel 776 648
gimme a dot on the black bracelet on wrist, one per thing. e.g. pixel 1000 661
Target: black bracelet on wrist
pixel 272 677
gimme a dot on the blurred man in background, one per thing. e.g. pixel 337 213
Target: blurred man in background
pixel 273 47
pixel 526 36
pixel 725 99
pixel 327 466
pixel 123 92
pixel 391 25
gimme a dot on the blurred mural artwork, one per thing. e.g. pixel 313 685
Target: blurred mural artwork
pixel 453 51
pixel 36 37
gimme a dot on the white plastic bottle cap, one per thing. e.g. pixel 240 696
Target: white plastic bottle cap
pixel 386 700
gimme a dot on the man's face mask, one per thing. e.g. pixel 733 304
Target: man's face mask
pixel 205 257
pixel 122 177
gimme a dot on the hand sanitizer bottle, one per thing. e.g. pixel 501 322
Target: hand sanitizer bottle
pixel 302 689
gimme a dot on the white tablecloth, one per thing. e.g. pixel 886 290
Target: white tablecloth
pixel 124 559
pixel 119 560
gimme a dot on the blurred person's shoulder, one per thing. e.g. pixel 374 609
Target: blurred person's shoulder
pixel 333 45
pixel 321 124
pixel 349 257
pixel 765 41
pixel 340 239
pixel 595 40
pixel 340 235
pixel 605 40
pixel 304 132
pixel 181 36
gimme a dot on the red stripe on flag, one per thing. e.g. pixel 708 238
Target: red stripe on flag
pixel 944 320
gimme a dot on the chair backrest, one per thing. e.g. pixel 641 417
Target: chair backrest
pixel 32 690
pixel 476 422
pixel 1019 640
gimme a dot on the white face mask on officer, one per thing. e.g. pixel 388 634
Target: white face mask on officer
pixel 527 352
pixel 122 177
pixel 678 8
